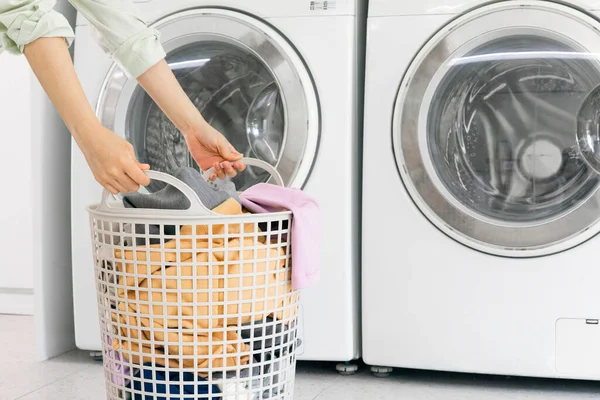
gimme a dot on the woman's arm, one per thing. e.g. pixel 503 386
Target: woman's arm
pixel 137 49
pixel 122 34
pixel 33 27
pixel 110 157
pixel 23 21
pixel 208 147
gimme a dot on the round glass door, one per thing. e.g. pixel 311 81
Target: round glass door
pixel 484 130
pixel 246 81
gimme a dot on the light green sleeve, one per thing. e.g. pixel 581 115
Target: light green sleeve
pixel 23 21
pixel 122 34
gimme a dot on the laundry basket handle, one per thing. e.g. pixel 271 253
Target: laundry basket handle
pixel 254 162
pixel 196 207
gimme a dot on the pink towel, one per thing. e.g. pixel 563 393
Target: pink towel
pixel 306 227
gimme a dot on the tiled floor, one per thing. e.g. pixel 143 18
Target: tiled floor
pixel 74 376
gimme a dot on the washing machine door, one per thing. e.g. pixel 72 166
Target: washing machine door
pixel 247 81
pixel 484 128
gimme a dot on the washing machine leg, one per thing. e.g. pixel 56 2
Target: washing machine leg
pixel 381 372
pixel 346 368
pixel 96 355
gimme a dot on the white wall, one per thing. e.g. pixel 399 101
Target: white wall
pixel 51 193
pixel 35 219
pixel 16 227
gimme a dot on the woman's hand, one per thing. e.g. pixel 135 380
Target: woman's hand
pixel 210 149
pixel 110 157
pixel 112 160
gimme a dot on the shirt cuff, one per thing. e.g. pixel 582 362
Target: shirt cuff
pixel 32 25
pixel 140 52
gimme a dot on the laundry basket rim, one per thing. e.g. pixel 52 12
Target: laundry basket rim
pixel 180 216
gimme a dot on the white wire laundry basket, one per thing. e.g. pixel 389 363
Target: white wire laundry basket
pixel 195 304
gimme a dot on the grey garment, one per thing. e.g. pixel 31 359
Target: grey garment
pixel 273 351
pixel 170 198
pixel 272 382
pixel 280 337
pixel 169 230
pixel 245 373
pixel 272 343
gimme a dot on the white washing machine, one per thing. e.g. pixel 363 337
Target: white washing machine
pixel 480 218
pixel 281 81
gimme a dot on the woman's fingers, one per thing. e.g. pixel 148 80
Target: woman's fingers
pixel 128 184
pixel 112 161
pixel 135 171
pixel 239 166
pixel 111 188
pixel 121 184
pixel 117 185
pixel 125 179
pixel 219 171
pixel 226 169
pixel 229 170
pixel 226 149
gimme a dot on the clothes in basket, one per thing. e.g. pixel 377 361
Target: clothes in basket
pixel 271 261
pixel 152 391
pixel 248 387
pixel 113 360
